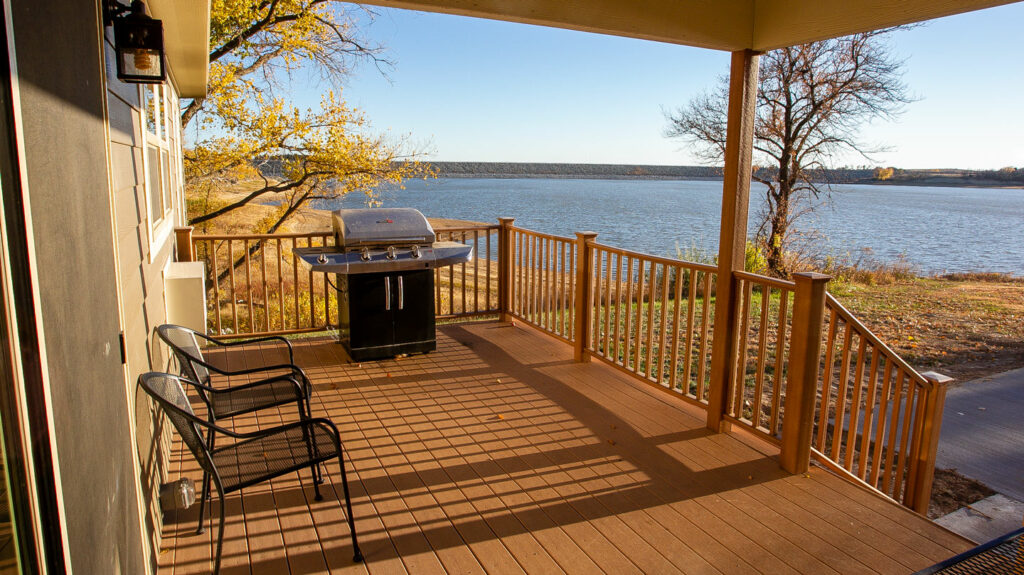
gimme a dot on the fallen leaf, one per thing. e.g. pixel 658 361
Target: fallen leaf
pixel 611 442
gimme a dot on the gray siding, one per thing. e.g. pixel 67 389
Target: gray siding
pixel 78 215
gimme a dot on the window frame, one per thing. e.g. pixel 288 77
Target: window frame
pixel 160 179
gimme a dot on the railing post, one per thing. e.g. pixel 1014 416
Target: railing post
pixel 505 272
pixel 919 485
pixel 584 269
pixel 183 244
pixel 802 371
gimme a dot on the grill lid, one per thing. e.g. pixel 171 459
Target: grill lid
pixel 381 226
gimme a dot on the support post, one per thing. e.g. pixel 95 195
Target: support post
pixel 584 292
pixel 732 242
pixel 802 371
pixel 505 267
pixel 183 244
pixel 919 485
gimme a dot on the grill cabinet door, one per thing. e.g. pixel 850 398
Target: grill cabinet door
pixel 413 305
pixel 371 320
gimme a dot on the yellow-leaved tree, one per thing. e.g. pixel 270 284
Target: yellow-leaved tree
pixel 245 129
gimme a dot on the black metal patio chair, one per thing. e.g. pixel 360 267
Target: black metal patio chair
pixel 284 383
pixel 253 457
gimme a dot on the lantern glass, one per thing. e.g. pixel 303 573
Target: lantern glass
pixel 139 42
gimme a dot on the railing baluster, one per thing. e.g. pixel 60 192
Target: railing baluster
pixel 858 385
pixel 216 286
pixel 476 271
pixel 639 314
pixel 659 373
pixel 263 284
pixel 691 310
pixel 740 378
pixel 891 453
pixel 883 408
pixel 762 347
pixel 908 413
pixel 627 330
pixel 780 354
pixel 234 298
pixel 248 285
pixel 676 315
pixel 826 381
pixel 844 374
pixel 869 414
pixel 705 323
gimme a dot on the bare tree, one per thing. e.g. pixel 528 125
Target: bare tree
pixel 812 101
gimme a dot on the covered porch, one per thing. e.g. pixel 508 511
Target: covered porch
pixel 500 453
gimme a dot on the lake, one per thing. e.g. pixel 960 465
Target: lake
pixel 936 229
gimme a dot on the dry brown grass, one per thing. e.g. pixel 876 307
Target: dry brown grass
pixel 966 328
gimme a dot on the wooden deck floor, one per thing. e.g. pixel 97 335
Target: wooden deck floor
pixel 497 453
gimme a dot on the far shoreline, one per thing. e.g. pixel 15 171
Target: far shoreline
pixel 921 183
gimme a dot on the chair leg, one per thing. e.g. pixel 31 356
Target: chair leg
pixel 318 475
pixel 220 533
pixel 358 555
pixel 204 494
pixel 311 449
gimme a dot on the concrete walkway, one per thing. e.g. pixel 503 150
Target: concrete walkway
pixel 983 432
pixel 983 438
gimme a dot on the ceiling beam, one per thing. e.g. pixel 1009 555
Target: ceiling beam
pixel 780 23
pixel 729 25
pixel 715 24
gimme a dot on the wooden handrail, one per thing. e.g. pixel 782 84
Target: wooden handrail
pixel 656 259
pixel 766 280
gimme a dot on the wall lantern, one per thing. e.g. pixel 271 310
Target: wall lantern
pixel 138 42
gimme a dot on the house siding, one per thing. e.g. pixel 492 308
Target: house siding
pixel 83 156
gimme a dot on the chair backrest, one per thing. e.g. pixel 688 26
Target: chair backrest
pixel 167 390
pixel 183 342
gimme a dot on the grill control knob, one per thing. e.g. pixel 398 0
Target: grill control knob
pixel 391 252
pixel 416 252
pixel 365 255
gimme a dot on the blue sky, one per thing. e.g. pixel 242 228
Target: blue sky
pixel 478 90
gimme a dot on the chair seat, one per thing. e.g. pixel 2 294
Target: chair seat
pixel 255 460
pixel 235 402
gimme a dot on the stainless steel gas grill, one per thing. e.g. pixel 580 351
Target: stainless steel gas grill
pixel 382 262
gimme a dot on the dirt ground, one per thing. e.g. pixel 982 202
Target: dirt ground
pixel 951 491
pixel 965 327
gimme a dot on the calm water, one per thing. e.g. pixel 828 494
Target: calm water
pixel 937 229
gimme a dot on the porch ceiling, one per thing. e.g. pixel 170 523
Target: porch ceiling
pixel 187 41
pixel 717 24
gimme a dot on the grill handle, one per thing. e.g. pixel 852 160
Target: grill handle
pixel 387 293
pixel 401 294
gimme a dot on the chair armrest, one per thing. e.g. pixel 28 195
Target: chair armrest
pixel 300 389
pixel 288 344
pixel 322 422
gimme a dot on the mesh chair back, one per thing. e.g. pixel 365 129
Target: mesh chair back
pixel 186 349
pixel 166 389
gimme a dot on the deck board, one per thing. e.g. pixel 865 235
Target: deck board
pixel 497 453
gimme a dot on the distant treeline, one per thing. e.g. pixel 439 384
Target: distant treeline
pixel 583 171
pixel 1008 177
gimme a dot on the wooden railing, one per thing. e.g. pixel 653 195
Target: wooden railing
pixel 876 418
pixel 468 289
pixel 807 376
pixel 651 317
pixel 543 283
pixel 256 285
pixel 759 382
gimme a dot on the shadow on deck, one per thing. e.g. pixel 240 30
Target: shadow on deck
pixel 498 453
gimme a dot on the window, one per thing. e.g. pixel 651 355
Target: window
pixel 159 178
